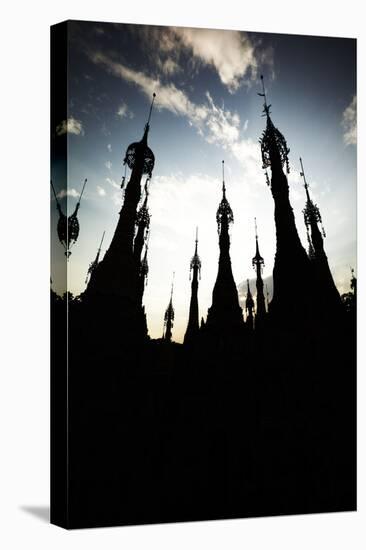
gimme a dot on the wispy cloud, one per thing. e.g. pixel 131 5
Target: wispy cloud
pixel 101 191
pixel 109 147
pixel 70 126
pixel 68 193
pixel 108 164
pixel 233 55
pixel 349 123
pixel 124 111
pixel 215 124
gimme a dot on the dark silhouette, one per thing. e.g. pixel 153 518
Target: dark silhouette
pixel 193 320
pixel 258 264
pixel 243 419
pixel 225 317
pixel 68 227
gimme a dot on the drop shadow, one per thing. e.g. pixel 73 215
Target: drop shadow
pixel 40 512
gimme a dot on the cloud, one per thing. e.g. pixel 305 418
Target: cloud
pixel 108 164
pixel 70 126
pixel 231 53
pixel 109 147
pixel 68 193
pixel 123 111
pixel 101 192
pixel 349 123
pixel 214 123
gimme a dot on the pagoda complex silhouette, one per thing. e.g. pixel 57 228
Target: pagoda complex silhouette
pixel 248 417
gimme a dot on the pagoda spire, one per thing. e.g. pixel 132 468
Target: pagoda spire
pixel 195 273
pixel 249 308
pixel 225 314
pixel 114 292
pixel 169 317
pixel 292 265
pixel 118 273
pixel 328 292
pixel 258 264
pixel 95 263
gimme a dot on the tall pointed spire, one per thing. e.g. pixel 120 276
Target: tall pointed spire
pixel 329 294
pixel 258 264
pixel 94 264
pixel 117 276
pixel 225 315
pixel 292 265
pixel 249 308
pixel 195 272
pixel 169 317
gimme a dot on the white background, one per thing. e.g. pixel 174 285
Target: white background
pixel 24 274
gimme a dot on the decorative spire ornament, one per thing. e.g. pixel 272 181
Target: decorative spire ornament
pixel 224 211
pixel 273 144
pixel 311 211
pixel 169 316
pixel 133 150
pixel 68 227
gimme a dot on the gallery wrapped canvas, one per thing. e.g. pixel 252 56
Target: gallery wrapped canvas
pixel 203 275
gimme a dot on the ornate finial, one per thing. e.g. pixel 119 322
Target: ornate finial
pixel 139 151
pixel 151 107
pixel 311 211
pixel 266 107
pixel 257 261
pixel 224 209
pixel 302 174
pixel 273 144
pixel 195 261
pixel 68 226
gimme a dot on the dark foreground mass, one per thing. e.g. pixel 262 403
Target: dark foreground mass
pixel 161 432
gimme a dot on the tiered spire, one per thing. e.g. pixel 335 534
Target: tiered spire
pixel 292 267
pixel 258 264
pixel 169 317
pixel 195 272
pixel 312 218
pixel 117 284
pixel 249 308
pixel 118 273
pixel 329 295
pixel 225 315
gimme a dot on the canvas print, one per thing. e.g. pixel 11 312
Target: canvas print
pixel 203 277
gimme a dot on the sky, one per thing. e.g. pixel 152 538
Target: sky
pixel 207 109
